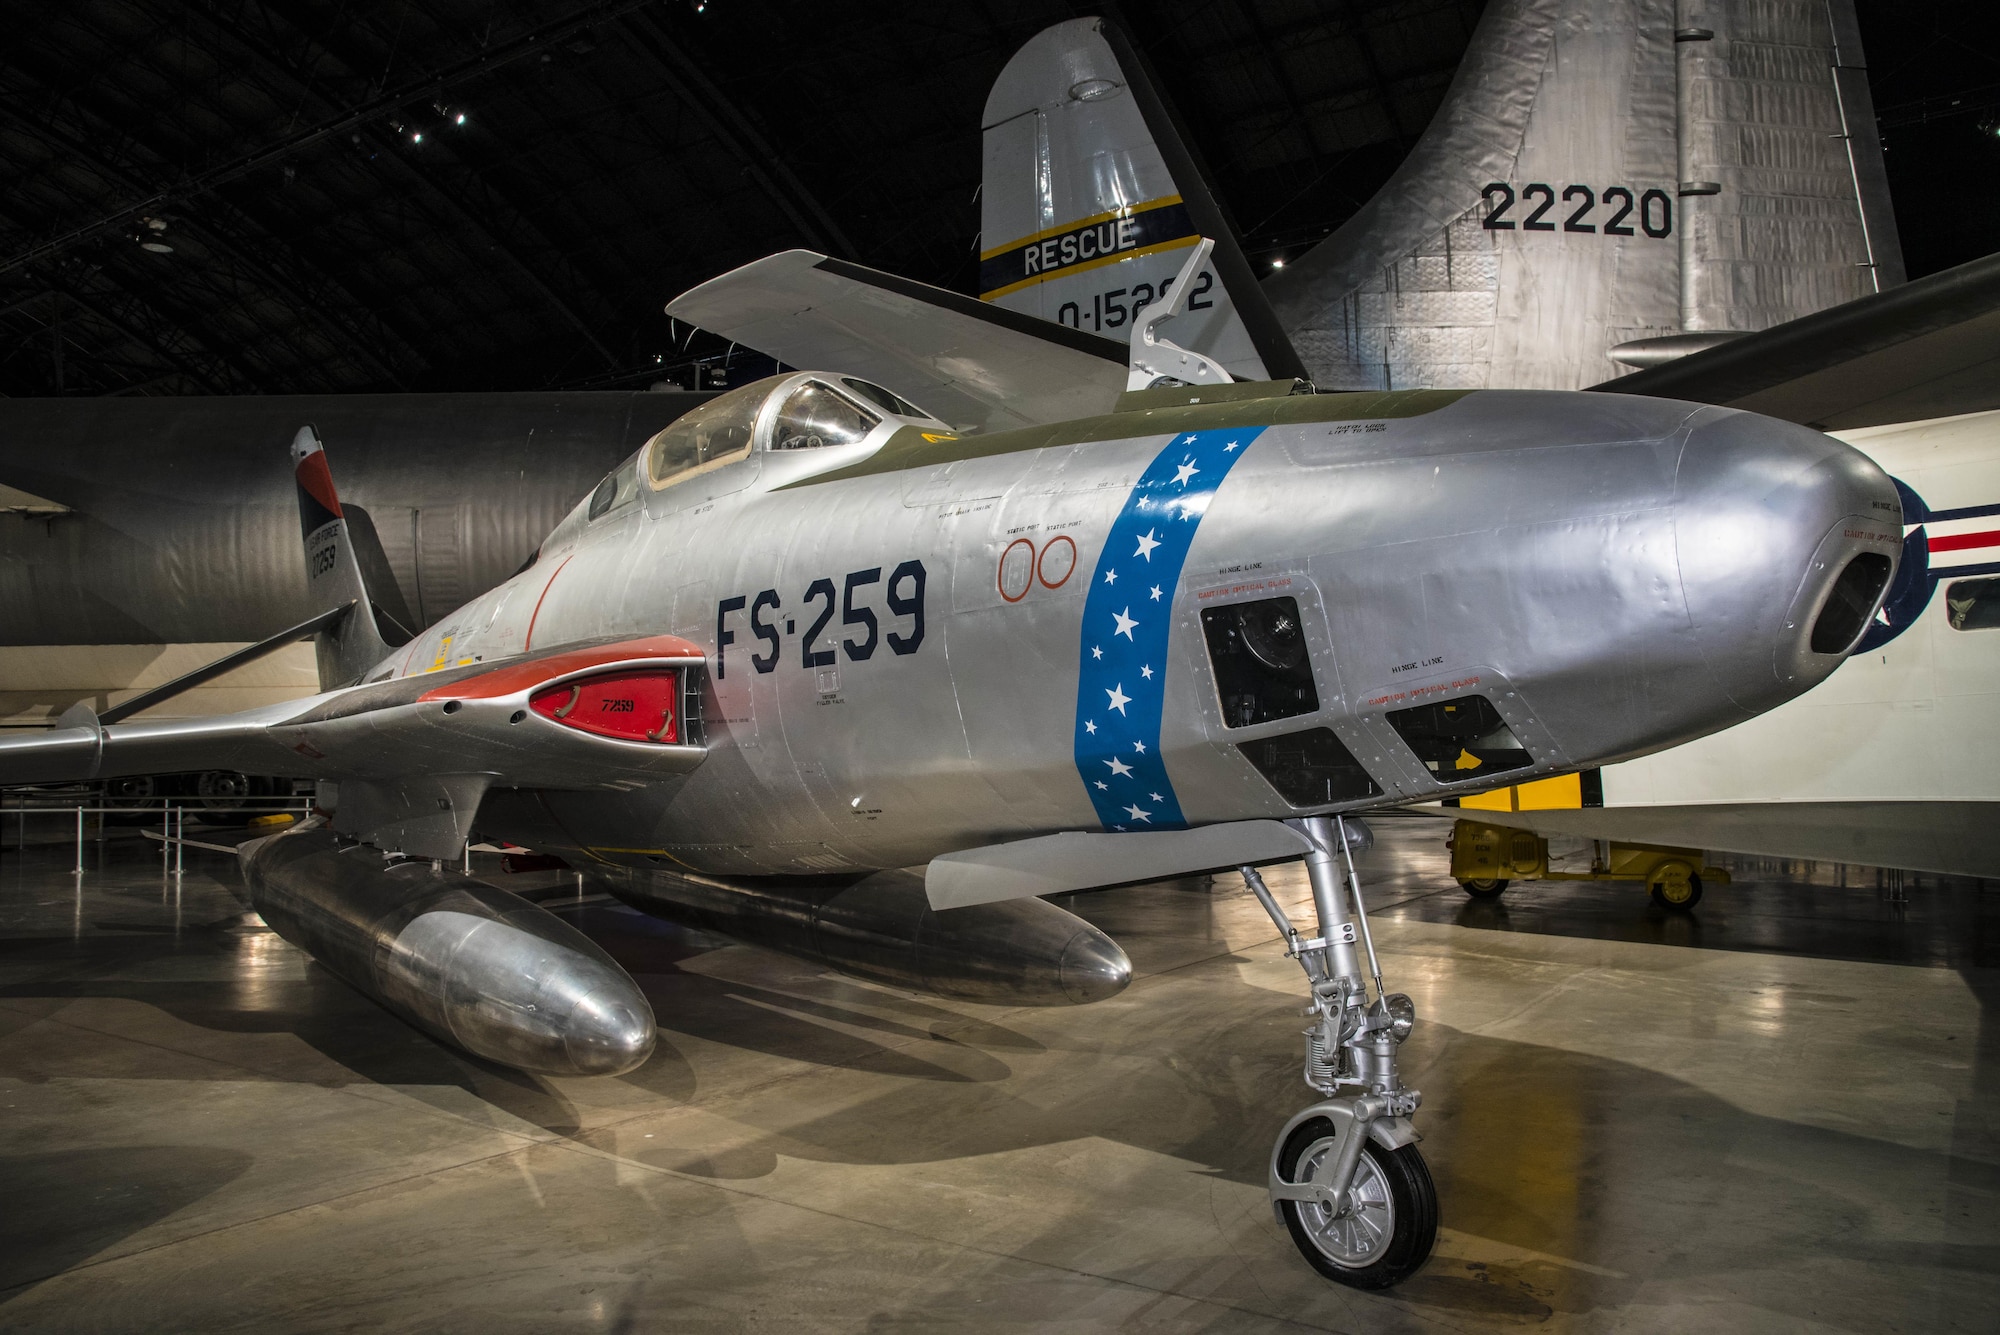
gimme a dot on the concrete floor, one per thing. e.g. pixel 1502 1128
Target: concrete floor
pixel 1781 1115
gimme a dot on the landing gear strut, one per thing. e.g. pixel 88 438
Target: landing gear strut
pixel 1346 1177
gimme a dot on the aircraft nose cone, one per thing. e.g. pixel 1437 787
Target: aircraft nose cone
pixel 610 1031
pixel 1785 540
pixel 1093 967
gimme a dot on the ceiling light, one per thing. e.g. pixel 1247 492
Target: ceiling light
pixel 1277 264
pixel 459 119
pixel 157 247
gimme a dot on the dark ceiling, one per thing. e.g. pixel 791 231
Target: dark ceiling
pixel 333 226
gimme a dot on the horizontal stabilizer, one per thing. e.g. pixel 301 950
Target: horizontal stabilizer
pixel 974 365
pixel 1057 863
pixel 208 672
pixel 1927 349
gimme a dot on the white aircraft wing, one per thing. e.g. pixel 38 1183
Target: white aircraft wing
pixel 974 365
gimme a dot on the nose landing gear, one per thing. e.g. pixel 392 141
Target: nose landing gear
pixel 1346 1177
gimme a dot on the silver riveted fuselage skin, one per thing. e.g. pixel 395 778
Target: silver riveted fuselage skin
pixel 921 643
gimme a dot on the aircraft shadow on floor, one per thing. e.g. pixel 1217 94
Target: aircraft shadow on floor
pixel 1573 1156
pixel 66 1205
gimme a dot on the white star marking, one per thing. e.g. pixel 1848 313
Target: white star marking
pixel 1140 747
pixel 1138 813
pixel 1146 671
pixel 1230 448
pixel 1156 593
pixel 1156 797
pixel 1125 623
pixel 1119 769
pixel 1189 440
pixel 1147 543
pixel 1103 785
pixel 1110 577
pixel 1096 651
pixel 1184 473
pixel 1090 726
pixel 1118 697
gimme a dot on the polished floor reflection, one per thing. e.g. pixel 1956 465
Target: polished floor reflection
pixel 1779 1113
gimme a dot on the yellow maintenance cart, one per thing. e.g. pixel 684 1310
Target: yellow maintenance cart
pixel 1486 858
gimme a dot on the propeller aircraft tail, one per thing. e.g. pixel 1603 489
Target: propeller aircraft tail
pixel 352 644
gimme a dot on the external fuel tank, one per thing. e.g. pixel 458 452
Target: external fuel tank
pixel 1026 952
pixel 465 962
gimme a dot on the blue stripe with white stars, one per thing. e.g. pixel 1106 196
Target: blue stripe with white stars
pixel 1126 620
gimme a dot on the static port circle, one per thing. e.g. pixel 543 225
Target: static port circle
pixel 453 706
pixel 1057 562
pixel 1017 570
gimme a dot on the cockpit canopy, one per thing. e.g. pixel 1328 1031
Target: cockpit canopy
pixel 788 412
pixel 785 412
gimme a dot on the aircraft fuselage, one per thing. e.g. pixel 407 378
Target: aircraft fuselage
pixel 922 642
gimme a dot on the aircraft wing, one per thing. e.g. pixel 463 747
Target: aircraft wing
pixel 1943 837
pixel 413 755
pixel 1929 348
pixel 972 364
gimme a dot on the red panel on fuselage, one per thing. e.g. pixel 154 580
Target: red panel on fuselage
pixel 637 706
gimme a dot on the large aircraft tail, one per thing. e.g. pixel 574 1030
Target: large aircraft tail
pixel 1608 184
pixel 353 644
pixel 1091 202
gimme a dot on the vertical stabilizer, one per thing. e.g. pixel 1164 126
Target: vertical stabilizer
pixel 1091 203
pixel 353 644
pixel 1650 176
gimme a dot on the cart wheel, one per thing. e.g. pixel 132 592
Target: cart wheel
pixel 1390 1226
pixel 1677 895
pixel 1486 888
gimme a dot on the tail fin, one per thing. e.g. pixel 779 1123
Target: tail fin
pixel 1604 173
pixel 1091 202
pixel 353 644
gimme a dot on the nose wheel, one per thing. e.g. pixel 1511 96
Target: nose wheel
pixel 1346 1178
pixel 1390 1222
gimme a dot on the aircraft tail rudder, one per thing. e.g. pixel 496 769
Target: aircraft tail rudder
pixel 1091 201
pixel 353 644
pixel 1607 184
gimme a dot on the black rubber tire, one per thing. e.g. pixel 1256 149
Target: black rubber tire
pixel 1484 889
pixel 1410 1189
pixel 1658 891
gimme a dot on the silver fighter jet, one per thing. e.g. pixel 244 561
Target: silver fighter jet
pixel 817 669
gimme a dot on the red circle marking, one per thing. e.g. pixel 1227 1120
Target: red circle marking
pixel 1000 578
pixel 1041 563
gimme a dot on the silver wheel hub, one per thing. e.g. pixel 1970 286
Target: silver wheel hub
pixel 1360 1236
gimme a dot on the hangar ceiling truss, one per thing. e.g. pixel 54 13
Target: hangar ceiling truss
pixel 329 224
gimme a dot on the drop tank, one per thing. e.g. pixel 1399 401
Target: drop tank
pixel 881 927
pixel 464 961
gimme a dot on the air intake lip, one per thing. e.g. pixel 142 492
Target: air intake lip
pixel 1850 603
